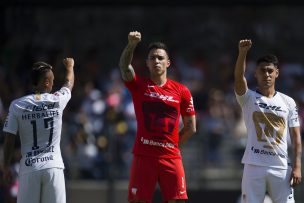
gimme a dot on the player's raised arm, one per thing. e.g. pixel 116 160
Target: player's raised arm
pixel 69 78
pixel 240 83
pixel 126 69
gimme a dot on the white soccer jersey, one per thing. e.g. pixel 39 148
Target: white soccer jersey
pixel 38 119
pixel 267 121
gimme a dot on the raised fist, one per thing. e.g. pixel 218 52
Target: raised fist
pixel 68 62
pixel 245 44
pixel 134 37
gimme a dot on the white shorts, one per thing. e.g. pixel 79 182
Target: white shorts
pixel 44 186
pixel 259 179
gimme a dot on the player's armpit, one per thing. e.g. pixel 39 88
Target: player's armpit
pixel 240 86
pixel 128 74
pixel 69 84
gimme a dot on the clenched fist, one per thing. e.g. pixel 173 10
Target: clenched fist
pixel 245 44
pixel 134 37
pixel 68 62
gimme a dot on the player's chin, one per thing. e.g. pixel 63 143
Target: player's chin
pixel 156 72
pixel 265 84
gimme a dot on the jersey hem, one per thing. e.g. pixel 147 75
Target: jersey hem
pixel 27 172
pixel 9 131
pixel 269 166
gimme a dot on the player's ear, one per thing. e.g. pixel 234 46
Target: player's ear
pixel 277 72
pixel 255 72
pixel 168 63
pixel 46 83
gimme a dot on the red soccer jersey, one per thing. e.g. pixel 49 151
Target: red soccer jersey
pixel 158 111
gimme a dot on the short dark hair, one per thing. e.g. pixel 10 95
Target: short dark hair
pixel 39 69
pixel 158 45
pixel 269 58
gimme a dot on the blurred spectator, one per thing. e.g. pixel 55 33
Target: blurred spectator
pixel 217 123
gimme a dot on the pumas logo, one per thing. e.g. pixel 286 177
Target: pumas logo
pixel 160 96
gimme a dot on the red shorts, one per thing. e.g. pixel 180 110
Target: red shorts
pixel 147 171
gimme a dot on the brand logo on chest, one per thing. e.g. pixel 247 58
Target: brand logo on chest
pixel 269 107
pixel 160 96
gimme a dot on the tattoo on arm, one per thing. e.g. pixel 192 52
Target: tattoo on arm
pixel 69 79
pixel 188 130
pixel 188 125
pixel 126 68
pixel 128 74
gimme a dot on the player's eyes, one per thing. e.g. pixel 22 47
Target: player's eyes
pixel 156 57
pixel 268 71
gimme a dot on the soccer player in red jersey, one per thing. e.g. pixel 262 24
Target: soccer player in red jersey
pixel 158 103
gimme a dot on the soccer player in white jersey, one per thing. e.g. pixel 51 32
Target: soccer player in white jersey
pixel 270 117
pixel 37 118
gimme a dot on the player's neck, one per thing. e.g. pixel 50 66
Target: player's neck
pixel 160 80
pixel 267 92
pixel 39 90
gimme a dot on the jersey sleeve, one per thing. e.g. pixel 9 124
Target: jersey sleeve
pixel 242 99
pixel 187 106
pixel 293 118
pixel 11 122
pixel 64 95
pixel 132 85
